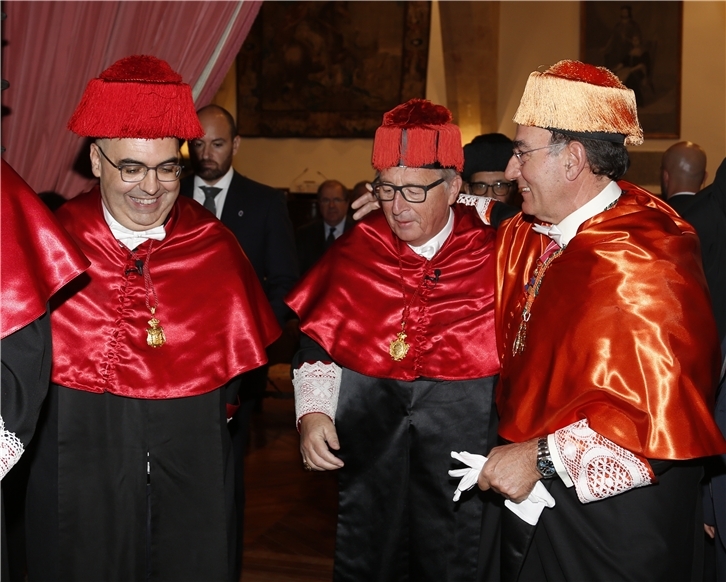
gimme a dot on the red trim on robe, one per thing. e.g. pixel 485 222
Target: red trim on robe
pixel 38 256
pixel 214 313
pixel 351 302
pixel 621 333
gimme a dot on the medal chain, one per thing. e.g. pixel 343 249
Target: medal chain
pixel 532 290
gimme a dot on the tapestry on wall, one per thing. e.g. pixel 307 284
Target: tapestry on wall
pixel 330 69
pixel 641 43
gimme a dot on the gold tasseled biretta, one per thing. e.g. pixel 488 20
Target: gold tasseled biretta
pixel 580 99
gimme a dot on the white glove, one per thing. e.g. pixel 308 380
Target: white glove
pixel 528 510
pixel 469 476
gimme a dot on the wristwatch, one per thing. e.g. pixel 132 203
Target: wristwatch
pixel 545 466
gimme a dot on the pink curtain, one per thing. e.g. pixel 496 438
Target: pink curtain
pixel 52 49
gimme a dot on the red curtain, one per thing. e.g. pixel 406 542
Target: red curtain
pixel 52 49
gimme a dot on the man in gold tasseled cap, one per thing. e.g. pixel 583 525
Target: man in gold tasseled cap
pixel 608 348
pixel 398 363
pixel 132 477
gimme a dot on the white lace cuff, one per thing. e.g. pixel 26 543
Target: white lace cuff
pixel 317 386
pixel 597 467
pixel 481 203
pixel 11 448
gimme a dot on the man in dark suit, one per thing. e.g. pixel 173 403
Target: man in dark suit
pixel 706 211
pixel 257 215
pixel 314 238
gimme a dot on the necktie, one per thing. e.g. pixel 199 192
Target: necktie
pixel 210 192
pixel 331 237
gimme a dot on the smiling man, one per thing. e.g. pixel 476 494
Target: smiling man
pixel 132 478
pixel 608 348
pixel 397 365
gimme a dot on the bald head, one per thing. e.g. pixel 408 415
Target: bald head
pixel 683 168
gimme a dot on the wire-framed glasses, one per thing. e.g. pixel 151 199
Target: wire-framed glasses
pixel 520 155
pixel 168 172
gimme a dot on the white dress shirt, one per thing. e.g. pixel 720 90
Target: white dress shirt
pixel 430 248
pixel 563 232
pixel 338 229
pixel 131 238
pixel 219 199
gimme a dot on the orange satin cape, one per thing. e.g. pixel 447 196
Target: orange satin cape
pixel 621 333
pixel 214 313
pixel 38 256
pixel 351 302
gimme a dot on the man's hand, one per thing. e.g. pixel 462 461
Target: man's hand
pixel 365 204
pixel 511 470
pixel 317 437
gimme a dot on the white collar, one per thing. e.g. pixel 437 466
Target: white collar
pixel 338 229
pixel 431 247
pixel 223 183
pixel 131 238
pixel 564 231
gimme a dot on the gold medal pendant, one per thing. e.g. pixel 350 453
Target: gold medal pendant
pixel 155 334
pixel 399 348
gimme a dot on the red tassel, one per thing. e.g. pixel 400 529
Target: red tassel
pixel 141 68
pixel 450 153
pixel 429 137
pixel 416 112
pixel 420 147
pixel 577 71
pixel 386 147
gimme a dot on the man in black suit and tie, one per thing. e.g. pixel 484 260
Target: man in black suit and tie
pixel 706 211
pixel 258 217
pixel 314 238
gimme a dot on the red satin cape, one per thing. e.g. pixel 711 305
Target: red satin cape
pixel 38 256
pixel 352 300
pixel 214 313
pixel 621 333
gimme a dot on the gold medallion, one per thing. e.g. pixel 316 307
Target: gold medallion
pixel 155 334
pixel 399 347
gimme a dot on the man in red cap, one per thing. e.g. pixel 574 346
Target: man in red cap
pixel 608 347
pixel 398 363
pixel 133 477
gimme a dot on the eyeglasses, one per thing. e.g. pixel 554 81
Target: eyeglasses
pixel 519 155
pixel 499 188
pixel 411 192
pixel 137 172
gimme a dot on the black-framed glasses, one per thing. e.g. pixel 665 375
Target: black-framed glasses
pixel 499 188
pixel 519 155
pixel 137 172
pixel 415 193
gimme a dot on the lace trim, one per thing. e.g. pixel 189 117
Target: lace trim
pixel 11 448
pixel 482 204
pixel 598 467
pixel 317 386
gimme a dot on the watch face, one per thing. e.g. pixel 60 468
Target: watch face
pixel 546 468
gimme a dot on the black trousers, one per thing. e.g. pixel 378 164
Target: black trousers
pixel 397 520
pixel 94 512
pixel 251 390
pixel 653 533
